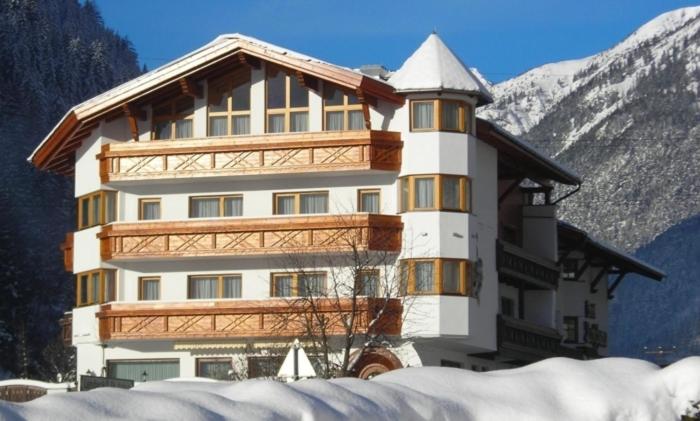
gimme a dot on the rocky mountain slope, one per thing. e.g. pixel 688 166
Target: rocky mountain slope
pixel 627 120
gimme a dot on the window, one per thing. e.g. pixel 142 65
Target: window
pixel 97 209
pixel 149 209
pixel 589 310
pixel 95 287
pixel 214 368
pixel 435 276
pixel 507 307
pixel 216 206
pixel 287 102
pixel 214 286
pixel 229 104
pixel 264 366
pixel 569 269
pixel 300 203
pixel 135 369
pixel 173 119
pixel 442 115
pixel 571 329
pixel 149 288
pixel 368 283
pixel 368 200
pixel 341 110
pixel 298 284
pixel 435 192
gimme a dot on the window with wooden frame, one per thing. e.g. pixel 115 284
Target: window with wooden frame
pixel 149 288
pixel 214 368
pixel 216 206
pixel 97 208
pixel 439 276
pixel 306 284
pixel 229 104
pixel 441 115
pixel 149 209
pixel 341 110
pixel 300 203
pixel 368 200
pixel 95 287
pixel 201 287
pixel 571 329
pixel 173 119
pixel 367 283
pixel 435 192
pixel 286 102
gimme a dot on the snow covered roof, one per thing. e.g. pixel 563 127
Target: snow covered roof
pixel 434 67
pixel 55 151
pixel 610 254
pixel 530 160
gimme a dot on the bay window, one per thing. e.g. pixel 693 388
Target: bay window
pixel 97 208
pixel 435 276
pixel 441 115
pixel 434 192
pixel 95 287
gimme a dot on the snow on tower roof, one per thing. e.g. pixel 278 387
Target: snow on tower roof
pixel 434 67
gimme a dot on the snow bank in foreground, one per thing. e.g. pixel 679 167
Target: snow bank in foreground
pixel 556 389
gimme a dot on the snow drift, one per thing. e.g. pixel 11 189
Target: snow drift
pixel 555 389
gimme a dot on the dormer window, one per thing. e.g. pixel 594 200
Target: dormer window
pixel 287 102
pixel 229 104
pixel 341 110
pixel 441 115
pixel 173 119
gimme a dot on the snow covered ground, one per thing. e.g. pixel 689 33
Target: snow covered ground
pixel 556 389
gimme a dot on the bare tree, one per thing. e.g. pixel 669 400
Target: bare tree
pixel 345 300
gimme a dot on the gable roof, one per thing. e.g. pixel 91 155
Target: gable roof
pixel 434 67
pixel 55 152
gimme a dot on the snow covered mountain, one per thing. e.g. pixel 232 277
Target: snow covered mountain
pixel 627 119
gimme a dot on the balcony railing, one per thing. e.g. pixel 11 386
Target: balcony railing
pixel 259 236
pixel 516 262
pixel 284 153
pixel 527 341
pixel 245 318
pixel 67 248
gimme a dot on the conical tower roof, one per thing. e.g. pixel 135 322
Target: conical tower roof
pixel 434 67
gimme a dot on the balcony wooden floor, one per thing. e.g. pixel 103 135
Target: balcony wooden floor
pixel 251 236
pixel 283 153
pixel 242 318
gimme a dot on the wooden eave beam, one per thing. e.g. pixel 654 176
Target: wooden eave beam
pixel 597 279
pixel 615 284
pixel 250 61
pixel 190 88
pixel 133 114
pixel 582 269
pixel 510 189
pixel 306 81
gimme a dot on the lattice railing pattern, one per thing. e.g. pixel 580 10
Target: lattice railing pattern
pixel 251 236
pixel 244 318
pixel 324 151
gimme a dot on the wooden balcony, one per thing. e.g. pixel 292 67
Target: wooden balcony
pixel 246 237
pixel 515 262
pixel 527 342
pixel 243 318
pixel 283 153
pixel 67 248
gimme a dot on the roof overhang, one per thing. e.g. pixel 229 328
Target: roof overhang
pixel 604 254
pixel 522 157
pixel 56 151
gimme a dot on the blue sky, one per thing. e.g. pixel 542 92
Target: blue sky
pixel 502 38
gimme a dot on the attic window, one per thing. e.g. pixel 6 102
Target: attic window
pixel 229 104
pixel 341 110
pixel 173 119
pixel 287 103
pixel 441 115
